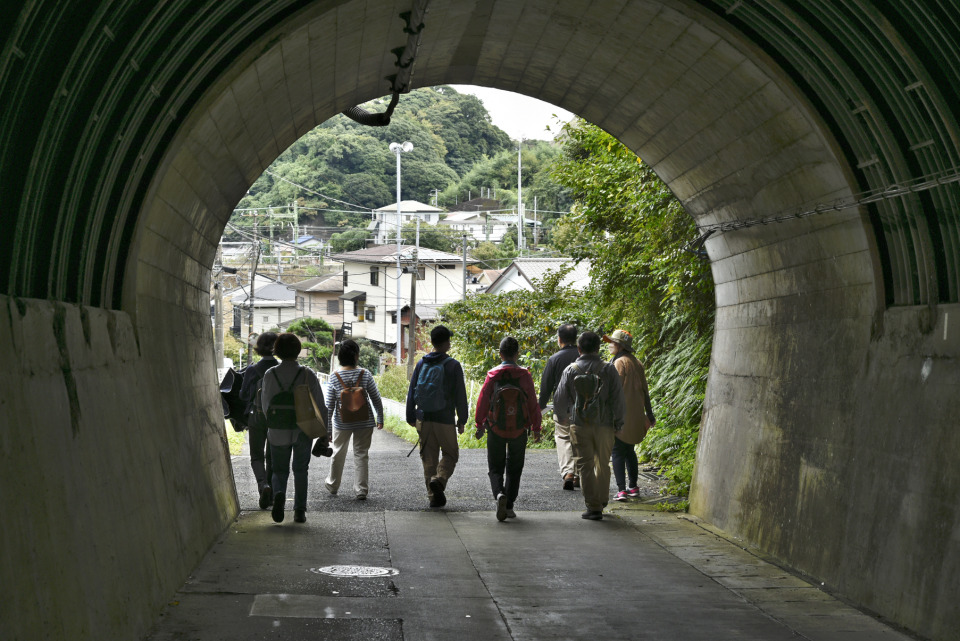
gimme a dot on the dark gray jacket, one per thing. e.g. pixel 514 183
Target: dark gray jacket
pixel 611 394
pixel 554 370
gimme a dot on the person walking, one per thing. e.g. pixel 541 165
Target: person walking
pixel 260 460
pixel 637 415
pixel 506 410
pixel 351 392
pixel 285 437
pixel 567 460
pixel 437 392
pixel 589 398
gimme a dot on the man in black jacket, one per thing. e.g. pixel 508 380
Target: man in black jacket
pixel 567 339
pixel 436 392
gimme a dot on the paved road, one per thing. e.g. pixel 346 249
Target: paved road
pixel 396 482
pixel 458 574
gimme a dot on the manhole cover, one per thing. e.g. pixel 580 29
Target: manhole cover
pixel 355 571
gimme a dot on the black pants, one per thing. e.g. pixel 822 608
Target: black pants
pixel 624 455
pixel 260 455
pixel 504 453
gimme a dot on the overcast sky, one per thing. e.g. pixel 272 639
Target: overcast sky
pixel 518 115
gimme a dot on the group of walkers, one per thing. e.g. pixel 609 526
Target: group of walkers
pixel 601 410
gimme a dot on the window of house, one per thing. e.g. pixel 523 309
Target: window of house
pixel 299 300
pixel 266 319
pixel 356 309
pixel 333 306
pixel 371 314
pixel 374 276
pixel 393 318
pixel 344 280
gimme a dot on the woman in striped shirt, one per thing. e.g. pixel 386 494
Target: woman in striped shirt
pixel 360 429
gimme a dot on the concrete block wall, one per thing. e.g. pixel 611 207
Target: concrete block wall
pixel 115 472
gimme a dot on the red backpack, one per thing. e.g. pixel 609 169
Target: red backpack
pixel 508 414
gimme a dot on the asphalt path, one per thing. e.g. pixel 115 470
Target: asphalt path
pixel 392 569
pixel 396 482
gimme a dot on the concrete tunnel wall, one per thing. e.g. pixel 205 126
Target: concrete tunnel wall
pixel 829 426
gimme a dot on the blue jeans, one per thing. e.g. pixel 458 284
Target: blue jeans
pixel 280 455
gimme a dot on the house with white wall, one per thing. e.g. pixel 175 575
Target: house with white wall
pixel 523 271
pixel 370 287
pixel 384 223
pixel 273 304
pixel 478 225
pixel 319 297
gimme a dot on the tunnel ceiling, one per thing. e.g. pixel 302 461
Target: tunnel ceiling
pixel 91 94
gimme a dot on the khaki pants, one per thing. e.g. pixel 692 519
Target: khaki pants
pixel 593 446
pixel 361 448
pixel 434 439
pixel 566 458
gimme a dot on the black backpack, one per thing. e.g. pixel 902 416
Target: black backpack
pixel 587 408
pixel 508 414
pixel 282 414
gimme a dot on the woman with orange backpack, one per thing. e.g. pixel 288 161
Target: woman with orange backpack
pixel 506 409
pixel 351 392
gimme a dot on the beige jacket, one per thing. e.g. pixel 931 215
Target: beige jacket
pixel 636 397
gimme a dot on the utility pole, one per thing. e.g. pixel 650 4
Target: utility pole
pixel 251 299
pixel 398 149
pixel 464 267
pixel 519 201
pixel 536 236
pixel 412 317
pixel 218 308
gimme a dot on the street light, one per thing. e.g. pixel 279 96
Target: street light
pixel 399 148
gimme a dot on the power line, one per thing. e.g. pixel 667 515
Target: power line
pixel 317 193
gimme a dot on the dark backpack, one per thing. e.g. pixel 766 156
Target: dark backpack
pixel 233 405
pixel 282 414
pixel 508 413
pixel 430 394
pixel 353 401
pixel 587 408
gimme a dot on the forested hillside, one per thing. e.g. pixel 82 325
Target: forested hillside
pixel 341 170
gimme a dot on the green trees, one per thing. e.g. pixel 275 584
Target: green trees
pixel 342 160
pixel 634 231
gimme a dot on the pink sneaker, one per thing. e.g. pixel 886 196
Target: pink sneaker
pixel 633 492
pixel 621 496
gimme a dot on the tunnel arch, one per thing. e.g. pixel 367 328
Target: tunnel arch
pixel 143 138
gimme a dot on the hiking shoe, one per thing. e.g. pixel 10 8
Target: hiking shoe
pixel 277 513
pixel 621 496
pixel 576 482
pixel 501 507
pixel 266 497
pixel 361 497
pixel 439 498
pixel 592 515
pixel 330 488
pixel 299 515
pixel 633 492
pixel 511 514
pixel 568 482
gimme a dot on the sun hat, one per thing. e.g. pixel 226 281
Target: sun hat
pixel 621 337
